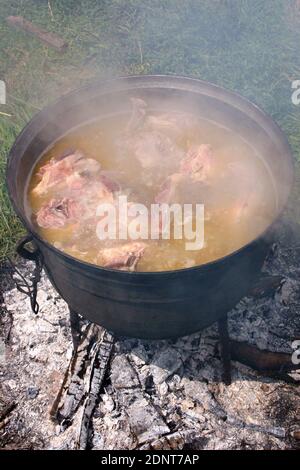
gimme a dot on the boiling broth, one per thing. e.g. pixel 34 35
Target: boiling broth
pixel 225 230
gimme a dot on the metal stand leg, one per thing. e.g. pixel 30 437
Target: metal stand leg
pixel 75 327
pixel 225 350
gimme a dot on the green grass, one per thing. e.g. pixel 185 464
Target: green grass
pixel 250 46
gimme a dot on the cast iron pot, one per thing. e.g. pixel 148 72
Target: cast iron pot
pixel 159 304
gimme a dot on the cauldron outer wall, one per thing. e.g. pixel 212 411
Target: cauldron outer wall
pixel 151 305
pixel 156 307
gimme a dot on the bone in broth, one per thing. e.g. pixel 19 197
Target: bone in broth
pixel 150 160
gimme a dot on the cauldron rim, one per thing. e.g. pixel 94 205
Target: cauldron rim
pixel 131 78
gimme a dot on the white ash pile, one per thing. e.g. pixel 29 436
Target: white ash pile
pixel 155 394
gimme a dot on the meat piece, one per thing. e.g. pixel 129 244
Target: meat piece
pixel 99 191
pixel 243 193
pixel 169 189
pixel 148 141
pixel 250 209
pixel 191 182
pixel 174 125
pixel 84 183
pixel 170 123
pixel 238 210
pixel 63 163
pixel 154 150
pixel 139 109
pixel 64 171
pixel 72 178
pixel 89 190
pixel 87 167
pixel 110 183
pixel 79 184
pixel 124 257
pixel 198 163
pixel 65 154
pixel 58 213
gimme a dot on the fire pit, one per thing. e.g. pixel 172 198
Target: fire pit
pixel 161 304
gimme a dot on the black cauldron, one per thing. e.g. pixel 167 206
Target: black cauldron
pixel 159 304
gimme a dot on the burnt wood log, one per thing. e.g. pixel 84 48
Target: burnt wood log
pixel 273 364
pixel 48 38
pixel 83 381
pixel 258 359
pixel 99 364
pixel 6 410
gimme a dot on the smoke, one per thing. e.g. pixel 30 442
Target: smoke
pixel 225 42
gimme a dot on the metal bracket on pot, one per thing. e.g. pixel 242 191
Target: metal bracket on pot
pixel 23 285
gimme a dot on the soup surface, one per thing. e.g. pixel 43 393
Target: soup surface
pixel 152 160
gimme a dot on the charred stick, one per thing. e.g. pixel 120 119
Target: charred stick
pixel 261 360
pixel 296 435
pixel 50 39
pixel 278 432
pixel 71 395
pixel 7 410
pixel 99 366
pixel 83 381
pixel 273 364
pixel 58 411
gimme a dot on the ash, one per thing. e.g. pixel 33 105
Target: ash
pixel 157 394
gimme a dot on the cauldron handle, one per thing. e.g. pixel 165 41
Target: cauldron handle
pixel 29 287
pixel 24 252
